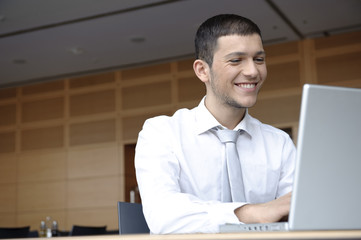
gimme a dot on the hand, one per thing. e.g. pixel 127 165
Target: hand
pixel 272 211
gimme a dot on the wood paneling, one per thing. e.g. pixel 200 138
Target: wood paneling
pixel 8 115
pixel 339 68
pixel 185 65
pixel 281 49
pixel 92 103
pixel 133 125
pixel 146 95
pixel 146 72
pixel 8 219
pixel 7 93
pixel 42 138
pixel 43 87
pixel 106 216
pixel 44 109
pixel 93 192
pixel 42 166
pixel 277 110
pixel 92 132
pixel 8 198
pixel 282 76
pixel 8 163
pixel 190 89
pixel 7 142
pixel 49 195
pixel 91 80
pixel 93 162
pixel 338 40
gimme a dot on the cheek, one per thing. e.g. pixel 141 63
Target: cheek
pixel 263 72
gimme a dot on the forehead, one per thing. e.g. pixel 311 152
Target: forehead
pixel 237 43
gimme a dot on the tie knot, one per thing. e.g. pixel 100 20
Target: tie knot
pixel 226 135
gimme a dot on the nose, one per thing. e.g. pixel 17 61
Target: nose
pixel 250 69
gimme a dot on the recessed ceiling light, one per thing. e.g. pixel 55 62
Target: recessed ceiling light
pixel 137 39
pixel 76 50
pixel 19 61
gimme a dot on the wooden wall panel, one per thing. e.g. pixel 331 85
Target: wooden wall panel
pixel 185 65
pixel 7 219
pixel 93 162
pixel 282 49
pixel 91 80
pixel 133 125
pixel 7 142
pixel 7 93
pixel 339 68
pixel 8 164
pixel 44 109
pixel 8 115
pixel 45 87
pixel 146 72
pixel 34 196
pixel 7 198
pixel 92 103
pixel 42 138
pixel 277 110
pixel 93 192
pixel 146 95
pixel 93 217
pixel 282 76
pixel 190 89
pixel 42 166
pixel 92 132
pixel 340 40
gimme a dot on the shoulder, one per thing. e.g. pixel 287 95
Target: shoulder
pixel 268 130
pixel 180 117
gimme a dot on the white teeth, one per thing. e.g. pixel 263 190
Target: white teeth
pixel 248 85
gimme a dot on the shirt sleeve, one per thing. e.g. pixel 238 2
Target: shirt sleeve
pixel 166 208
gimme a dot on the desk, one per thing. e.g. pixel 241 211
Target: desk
pixel 354 234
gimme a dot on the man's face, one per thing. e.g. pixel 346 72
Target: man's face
pixel 238 70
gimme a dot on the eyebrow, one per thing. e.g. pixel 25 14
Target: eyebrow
pixel 236 54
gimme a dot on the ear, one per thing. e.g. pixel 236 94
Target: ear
pixel 202 70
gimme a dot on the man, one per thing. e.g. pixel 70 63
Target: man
pixel 180 161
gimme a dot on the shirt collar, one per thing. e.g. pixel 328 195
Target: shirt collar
pixel 206 121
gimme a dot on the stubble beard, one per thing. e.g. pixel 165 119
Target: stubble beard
pixel 222 96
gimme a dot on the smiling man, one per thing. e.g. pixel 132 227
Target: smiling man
pixel 192 180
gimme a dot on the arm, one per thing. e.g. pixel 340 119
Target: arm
pixel 272 211
pixel 168 208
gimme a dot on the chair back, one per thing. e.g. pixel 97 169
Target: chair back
pixel 14 232
pixel 87 230
pixel 131 218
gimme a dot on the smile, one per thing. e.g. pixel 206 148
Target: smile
pixel 246 85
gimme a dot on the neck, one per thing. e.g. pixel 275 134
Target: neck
pixel 226 115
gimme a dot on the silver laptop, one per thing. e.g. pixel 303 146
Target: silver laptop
pixel 327 185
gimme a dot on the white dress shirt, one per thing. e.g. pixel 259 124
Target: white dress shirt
pixel 178 165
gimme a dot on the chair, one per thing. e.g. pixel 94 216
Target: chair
pixel 87 230
pixel 131 218
pixel 14 232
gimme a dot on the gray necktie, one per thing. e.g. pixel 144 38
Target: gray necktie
pixel 232 180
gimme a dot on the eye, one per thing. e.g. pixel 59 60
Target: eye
pixel 259 59
pixel 235 60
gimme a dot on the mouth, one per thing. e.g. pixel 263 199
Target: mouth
pixel 246 85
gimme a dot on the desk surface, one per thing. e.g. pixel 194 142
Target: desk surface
pixel 354 234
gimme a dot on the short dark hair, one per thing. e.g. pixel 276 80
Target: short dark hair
pixel 218 26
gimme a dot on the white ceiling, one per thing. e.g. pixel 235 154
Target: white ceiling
pixel 42 40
